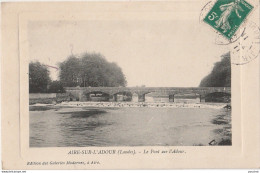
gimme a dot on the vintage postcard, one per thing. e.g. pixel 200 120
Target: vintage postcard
pixel 130 85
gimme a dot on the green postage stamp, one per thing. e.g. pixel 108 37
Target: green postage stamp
pixel 227 15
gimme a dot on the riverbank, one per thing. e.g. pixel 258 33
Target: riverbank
pixel 136 104
pixel 225 132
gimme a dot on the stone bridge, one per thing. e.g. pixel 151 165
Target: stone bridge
pixel 81 93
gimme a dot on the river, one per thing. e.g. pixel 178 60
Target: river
pixel 81 127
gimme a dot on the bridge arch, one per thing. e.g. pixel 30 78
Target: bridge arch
pixel 139 95
pixel 189 97
pixel 121 96
pixel 156 96
pixel 95 96
pixel 218 97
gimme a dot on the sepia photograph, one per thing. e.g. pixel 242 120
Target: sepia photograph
pixel 87 87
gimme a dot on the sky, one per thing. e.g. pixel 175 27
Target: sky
pixel 154 53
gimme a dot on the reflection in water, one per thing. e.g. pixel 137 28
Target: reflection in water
pixel 124 127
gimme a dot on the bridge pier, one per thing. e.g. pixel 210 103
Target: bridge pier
pixel 141 97
pixel 135 97
pixel 202 99
pixel 171 98
pixel 113 98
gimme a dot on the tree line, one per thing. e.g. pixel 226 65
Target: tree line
pixel 220 75
pixel 93 70
pixel 88 70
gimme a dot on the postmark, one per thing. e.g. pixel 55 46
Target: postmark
pixel 247 47
pixel 226 16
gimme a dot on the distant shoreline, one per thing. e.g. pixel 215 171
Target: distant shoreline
pixel 137 104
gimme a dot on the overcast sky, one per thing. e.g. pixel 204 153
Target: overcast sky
pixel 166 53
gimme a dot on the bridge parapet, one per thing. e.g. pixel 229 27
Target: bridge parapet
pixel 151 89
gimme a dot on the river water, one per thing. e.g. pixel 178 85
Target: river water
pixel 78 127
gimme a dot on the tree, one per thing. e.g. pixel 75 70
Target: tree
pixel 69 71
pixel 38 78
pixel 220 75
pixel 90 70
pixel 56 87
